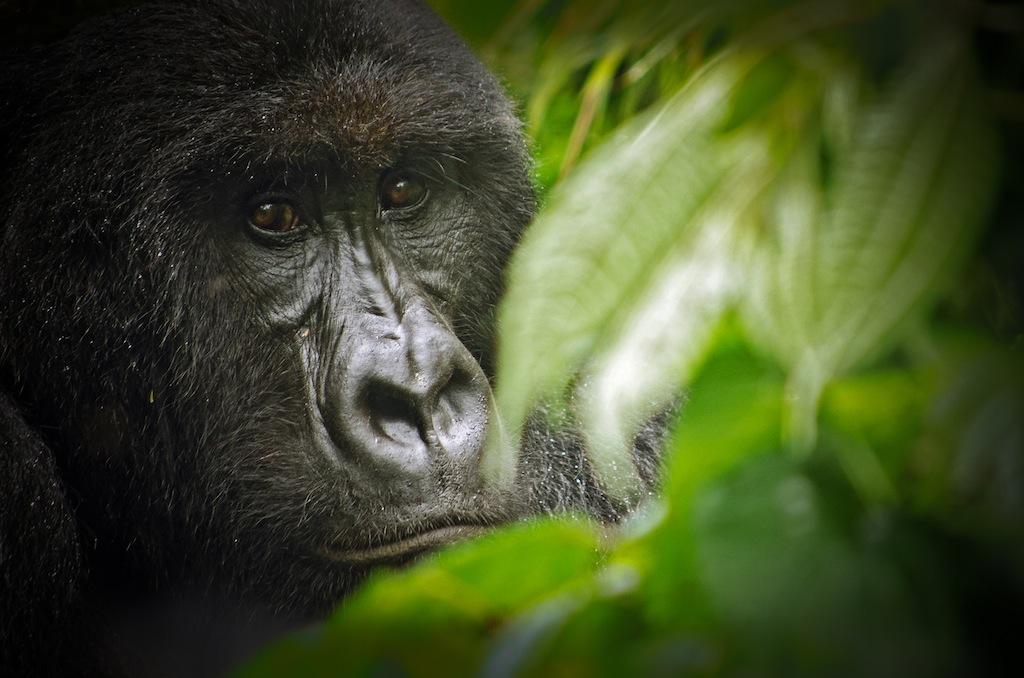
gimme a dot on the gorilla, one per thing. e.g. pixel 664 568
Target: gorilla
pixel 249 269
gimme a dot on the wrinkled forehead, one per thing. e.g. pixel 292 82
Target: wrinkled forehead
pixel 369 110
pixel 361 81
pixel 364 82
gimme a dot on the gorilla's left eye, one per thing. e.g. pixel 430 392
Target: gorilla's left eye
pixel 275 217
pixel 401 190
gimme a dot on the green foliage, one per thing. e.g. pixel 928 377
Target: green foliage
pixel 643 238
pixel 751 202
pixel 440 614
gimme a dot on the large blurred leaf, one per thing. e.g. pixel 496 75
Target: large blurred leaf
pixel 663 338
pixel 437 615
pixel 974 442
pixel 850 264
pixel 815 584
pixel 634 261
pixel 733 414
pixel 476 22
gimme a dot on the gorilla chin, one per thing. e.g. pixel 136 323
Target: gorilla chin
pixel 251 259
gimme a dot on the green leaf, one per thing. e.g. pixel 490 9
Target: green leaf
pixel 438 614
pixel 640 239
pixel 665 333
pixel 766 82
pixel 851 265
pixel 815 585
pixel 473 20
pixel 974 442
pixel 733 413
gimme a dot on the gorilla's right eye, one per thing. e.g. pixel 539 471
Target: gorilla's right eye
pixel 275 218
pixel 401 190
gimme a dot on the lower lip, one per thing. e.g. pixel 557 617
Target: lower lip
pixel 410 546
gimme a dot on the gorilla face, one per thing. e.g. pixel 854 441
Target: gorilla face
pixel 250 265
pixel 363 284
pixel 272 254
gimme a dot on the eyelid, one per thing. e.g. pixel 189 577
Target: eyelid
pixel 264 197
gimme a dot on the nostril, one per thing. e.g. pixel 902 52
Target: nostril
pixel 459 413
pixel 393 415
pixel 449 397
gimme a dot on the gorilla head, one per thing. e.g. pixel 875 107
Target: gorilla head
pixel 251 257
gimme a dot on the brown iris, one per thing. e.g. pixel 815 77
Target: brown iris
pixel 275 217
pixel 400 190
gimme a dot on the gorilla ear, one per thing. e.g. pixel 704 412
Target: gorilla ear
pixel 39 546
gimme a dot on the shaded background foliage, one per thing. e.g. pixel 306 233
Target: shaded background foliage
pixel 808 216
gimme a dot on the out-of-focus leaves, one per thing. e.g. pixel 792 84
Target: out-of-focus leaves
pixel 605 232
pixel 814 587
pixel 629 55
pixel 872 421
pixel 874 209
pixel 607 635
pixel 527 637
pixel 852 263
pixel 734 412
pixel 438 613
pixel 477 22
pixel 883 407
pixel 970 464
pixel 649 240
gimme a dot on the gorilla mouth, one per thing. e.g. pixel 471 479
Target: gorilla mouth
pixel 409 546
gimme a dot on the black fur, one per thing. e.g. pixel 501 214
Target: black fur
pixel 163 507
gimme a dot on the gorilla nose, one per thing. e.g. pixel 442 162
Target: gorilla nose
pixel 436 402
pixel 415 402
